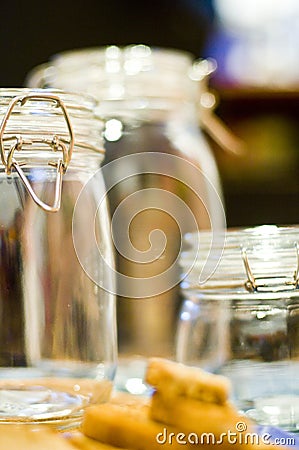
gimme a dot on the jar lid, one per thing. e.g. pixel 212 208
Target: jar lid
pixel 36 114
pixel 43 126
pixel 258 260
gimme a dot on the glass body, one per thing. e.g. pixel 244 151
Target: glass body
pixel 249 335
pixel 151 105
pixel 57 338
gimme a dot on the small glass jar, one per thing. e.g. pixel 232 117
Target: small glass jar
pixel 57 336
pixel 242 321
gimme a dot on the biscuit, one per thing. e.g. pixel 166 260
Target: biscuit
pixel 175 380
pixel 189 409
pixel 192 416
pixel 126 427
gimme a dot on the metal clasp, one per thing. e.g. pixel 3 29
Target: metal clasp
pixel 55 143
pixel 258 284
pixel 201 71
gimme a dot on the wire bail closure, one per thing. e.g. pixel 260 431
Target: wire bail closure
pixel 201 71
pixel 254 284
pixel 56 144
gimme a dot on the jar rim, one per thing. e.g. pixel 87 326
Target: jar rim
pixel 83 100
pixel 165 56
pixel 116 72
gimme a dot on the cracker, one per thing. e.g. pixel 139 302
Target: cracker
pixel 126 427
pixel 176 380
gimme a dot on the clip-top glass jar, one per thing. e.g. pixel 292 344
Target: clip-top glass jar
pixel 57 335
pixel 162 176
pixel 243 321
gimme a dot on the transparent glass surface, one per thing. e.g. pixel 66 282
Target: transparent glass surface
pixel 249 336
pixel 58 340
pixel 57 336
pixel 151 106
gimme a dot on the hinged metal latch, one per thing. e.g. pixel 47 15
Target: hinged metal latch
pixel 55 143
pixel 270 283
pixel 209 121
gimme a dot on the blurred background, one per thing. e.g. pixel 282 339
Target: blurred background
pixel 255 45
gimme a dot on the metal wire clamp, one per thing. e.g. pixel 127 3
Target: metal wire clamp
pixel 256 284
pixel 55 143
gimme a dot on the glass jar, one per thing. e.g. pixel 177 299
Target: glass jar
pixel 161 176
pixel 57 336
pixel 243 320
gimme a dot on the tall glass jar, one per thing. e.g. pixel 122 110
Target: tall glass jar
pixel 57 335
pixel 160 173
pixel 243 321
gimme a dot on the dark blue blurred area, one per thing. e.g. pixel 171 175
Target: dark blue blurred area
pixel 32 31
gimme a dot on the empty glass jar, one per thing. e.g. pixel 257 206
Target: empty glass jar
pixel 57 334
pixel 161 176
pixel 243 321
